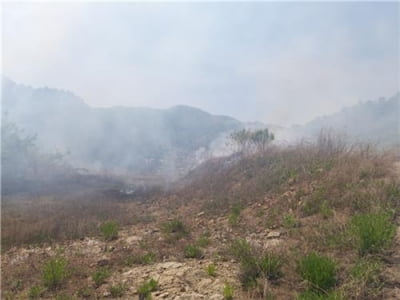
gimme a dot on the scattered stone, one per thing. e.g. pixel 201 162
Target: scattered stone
pixel 273 235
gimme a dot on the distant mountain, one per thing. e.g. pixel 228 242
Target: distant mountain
pixel 119 138
pixel 372 121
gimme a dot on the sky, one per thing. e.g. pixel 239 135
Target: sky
pixel 281 63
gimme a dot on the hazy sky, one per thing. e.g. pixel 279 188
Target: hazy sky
pixel 278 63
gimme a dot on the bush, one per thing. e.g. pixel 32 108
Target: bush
pixel 227 292
pixel 109 230
pixel 211 270
pixel 372 232
pixel 254 265
pixel 100 276
pixel 270 266
pixel 175 228
pixel 319 271
pixel 145 259
pixel 290 221
pixel 117 290
pixel 192 251
pixel 54 273
pixel 146 288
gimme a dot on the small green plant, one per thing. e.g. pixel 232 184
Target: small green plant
pixel 234 215
pixel 35 292
pixel 212 270
pixel 117 290
pixel 372 232
pixel 109 230
pixel 64 297
pixel 270 266
pixel 203 241
pixel 175 228
pixel 325 210
pixel 100 276
pixel 145 289
pixel 319 271
pixel 228 291
pixel 144 259
pixel 311 295
pixel 192 251
pixel 54 273
pixel 289 221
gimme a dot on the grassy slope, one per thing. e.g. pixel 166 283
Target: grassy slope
pixel 308 194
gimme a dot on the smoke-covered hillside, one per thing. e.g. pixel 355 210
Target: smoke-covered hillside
pixel 118 138
pixel 372 121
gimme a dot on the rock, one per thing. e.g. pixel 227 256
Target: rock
pixel 103 262
pixel 200 214
pixel 133 239
pixel 273 235
pixel 170 265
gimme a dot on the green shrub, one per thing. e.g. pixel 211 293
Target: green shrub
pixel 254 265
pixel 311 295
pixel 234 215
pixel 211 270
pixel 35 292
pixel 109 230
pixel 372 232
pixel 203 241
pixel 100 276
pixel 319 271
pixel 54 272
pixel 270 266
pixel 192 251
pixel 146 288
pixel 117 290
pixel 289 221
pixel 175 228
pixel 144 259
pixel 228 291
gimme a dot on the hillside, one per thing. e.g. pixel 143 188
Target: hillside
pixel 138 140
pixel 372 121
pixel 305 222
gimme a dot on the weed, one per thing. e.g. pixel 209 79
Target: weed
pixel 228 291
pixel 100 276
pixel 85 292
pixel 145 289
pixel 289 221
pixel 211 270
pixel 35 292
pixel 203 241
pixel 234 215
pixel 54 272
pixel 325 210
pixel 144 259
pixel 175 228
pixel 192 251
pixel 270 266
pixel 319 271
pixel 109 230
pixel 311 295
pixel 372 232
pixel 117 290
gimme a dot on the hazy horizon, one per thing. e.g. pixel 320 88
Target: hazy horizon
pixel 279 63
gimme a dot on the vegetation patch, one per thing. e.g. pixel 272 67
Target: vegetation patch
pixel 109 230
pixel 146 288
pixel 319 271
pixel 372 232
pixel 54 273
